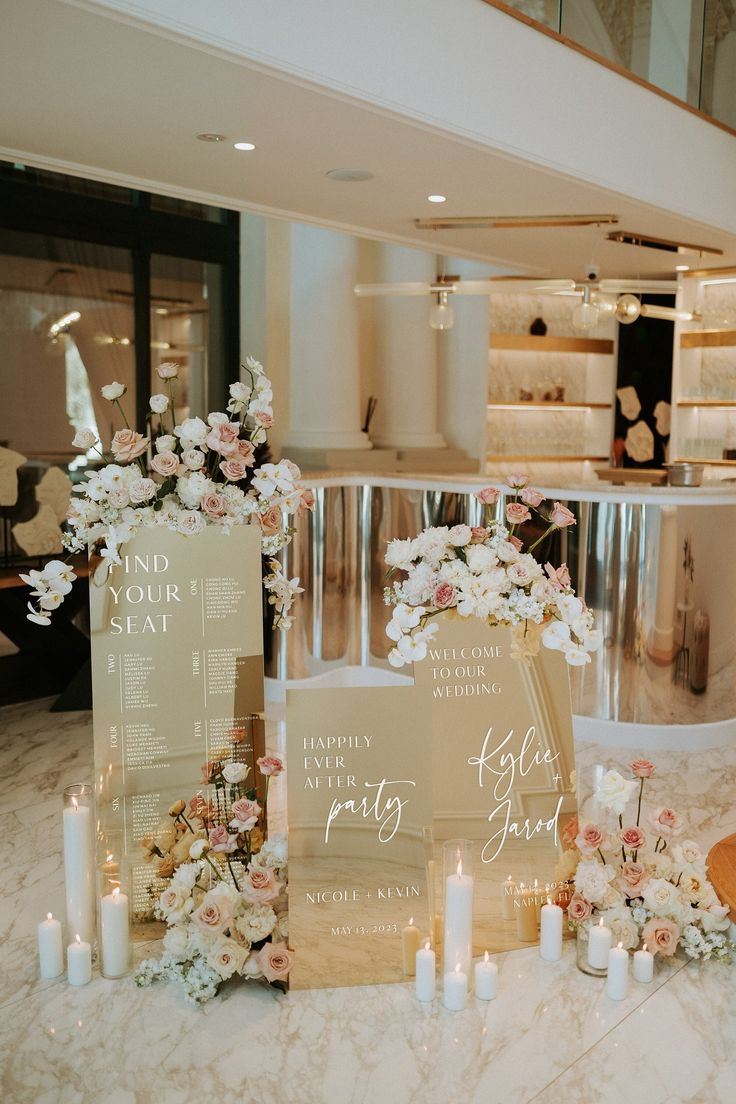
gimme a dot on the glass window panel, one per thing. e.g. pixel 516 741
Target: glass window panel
pixel 76 184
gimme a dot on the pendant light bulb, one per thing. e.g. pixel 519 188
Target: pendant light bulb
pixel 441 314
pixel 605 303
pixel 585 314
pixel 628 309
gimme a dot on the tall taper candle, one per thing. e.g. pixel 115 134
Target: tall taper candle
pixel 79 862
pixel 458 945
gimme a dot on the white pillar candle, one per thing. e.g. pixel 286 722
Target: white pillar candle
pixel 618 973
pixel 458 944
pixel 79 962
pixel 409 947
pixel 455 995
pixel 550 946
pixel 486 979
pixel 114 934
pixel 425 964
pixel 599 944
pixel 508 889
pixel 643 965
pixel 79 870
pixel 50 948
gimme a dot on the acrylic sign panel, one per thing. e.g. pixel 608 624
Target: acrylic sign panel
pixel 177 661
pixel 360 806
pixel 503 757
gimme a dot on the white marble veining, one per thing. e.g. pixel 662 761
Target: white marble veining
pixel 552 1033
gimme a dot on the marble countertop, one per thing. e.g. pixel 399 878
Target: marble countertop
pixel 551 1035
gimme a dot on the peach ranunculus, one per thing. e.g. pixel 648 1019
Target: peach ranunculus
pixel 517 543
pixel 165 463
pixel 633 838
pixel 590 838
pixel 270 764
pixel 517 479
pixel 569 832
pixel 307 500
pixel 488 496
pixel 517 513
pixel 213 504
pixel 445 596
pixel 128 445
pixel 642 768
pixel 632 879
pixel 666 821
pixel 579 909
pixel 223 438
pixel 271 521
pixel 200 807
pixel 561 516
pixel 233 470
pixel 558 575
pixel 275 961
pixel 531 496
pixel 260 885
pixel 661 936
pixel 214 914
pixel 479 534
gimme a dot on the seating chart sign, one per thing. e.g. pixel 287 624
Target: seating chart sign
pixel 503 761
pixel 360 808
pixel 177 663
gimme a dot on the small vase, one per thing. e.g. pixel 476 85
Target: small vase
pixel 582 956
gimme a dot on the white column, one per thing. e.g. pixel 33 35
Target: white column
pixel 324 378
pixel 406 355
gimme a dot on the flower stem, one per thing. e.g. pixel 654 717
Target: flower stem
pixel 540 539
pixel 638 809
pixel 122 412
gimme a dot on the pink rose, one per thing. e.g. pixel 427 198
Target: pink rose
pixel 168 370
pixel 560 576
pixel 661 936
pixel 214 914
pixel 221 840
pixel 245 813
pixel 590 838
pixel 517 479
pixel 260 885
pixel 275 961
pixel 642 768
pixel 270 764
pixel 213 504
pixel 445 596
pixel 263 418
pixel 246 453
pixel 579 909
pixel 192 459
pixel 633 879
pixel 633 838
pixel 531 497
pixel 127 445
pixel 233 470
pixel 165 463
pixel 517 543
pixel 480 534
pixel 517 513
pixel 561 516
pixel 223 438
pixel 666 822
pixel 272 521
pixel 488 496
pixel 307 500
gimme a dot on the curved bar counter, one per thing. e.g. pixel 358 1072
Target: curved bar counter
pixel 668 613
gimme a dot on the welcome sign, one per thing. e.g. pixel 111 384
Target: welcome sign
pixel 360 808
pixel 177 662
pixel 503 757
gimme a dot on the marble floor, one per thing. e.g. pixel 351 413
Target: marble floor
pixel 551 1035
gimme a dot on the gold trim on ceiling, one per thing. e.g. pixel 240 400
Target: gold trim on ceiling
pixel 513 222
pixel 647 241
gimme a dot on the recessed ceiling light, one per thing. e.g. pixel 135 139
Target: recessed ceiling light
pixel 682 268
pixel 436 198
pixel 207 136
pixel 349 176
pixel 243 146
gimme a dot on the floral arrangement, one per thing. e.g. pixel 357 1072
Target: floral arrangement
pixel 182 477
pixel 225 898
pixel 646 886
pixel 485 571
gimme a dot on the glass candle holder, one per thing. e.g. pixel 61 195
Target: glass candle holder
pixel 457 864
pixel 79 862
pixel 113 894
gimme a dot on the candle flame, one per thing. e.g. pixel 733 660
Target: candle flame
pixel 600 922
pixel 75 804
pixel 620 946
pixel 485 956
pixel 426 945
pixel 109 858
pixel 78 938
pixel 549 900
pixel 509 878
pixel 459 868
pixel 116 893
pixel 50 917
pixel 536 883
pixel 644 947
pixel 411 921
pixel 457 968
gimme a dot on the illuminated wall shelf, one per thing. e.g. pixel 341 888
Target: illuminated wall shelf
pixel 723 404
pixel 550 406
pixel 542 343
pixel 705 460
pixel 528 457
pixel 707 339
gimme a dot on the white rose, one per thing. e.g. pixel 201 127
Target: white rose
pixel 226 957
pixel 524 572
pixel 400 554
pixel 592 880
pixel 460 535
pixel 480 558
pixel 119 498
pixel 687 852
pixel 190 522
pixel 192 459
pixel 141 490
pixel 234 772
pixel 662 898
pixel 168 370
pixel 614 791
pixel 256 922
pixel 191 488
pixel 84 438
pixel 165 443
pixel 239 391
pixel 113 391
pixel 506 551
pixel 198 849
pixel 623 926
pixel 158 403
pixel 192 432
pixel 185 876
